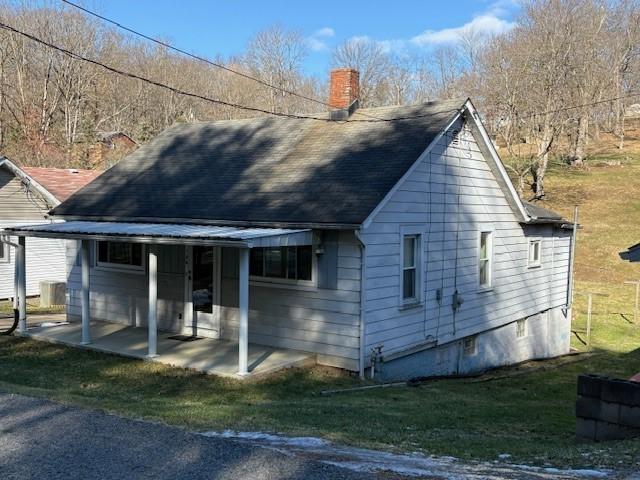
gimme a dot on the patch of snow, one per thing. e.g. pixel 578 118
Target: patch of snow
pixel 272 439
pixel 504 456
pixel 410 465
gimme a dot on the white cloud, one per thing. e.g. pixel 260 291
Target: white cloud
pixel 324 32
pixel 486 24
pixel 317 40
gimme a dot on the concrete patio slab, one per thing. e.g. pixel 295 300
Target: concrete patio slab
pixel 218 357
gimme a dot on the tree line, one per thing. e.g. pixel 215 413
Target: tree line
pixel 561 53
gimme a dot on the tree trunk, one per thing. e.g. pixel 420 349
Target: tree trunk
pixel 544 145
pixel 580 147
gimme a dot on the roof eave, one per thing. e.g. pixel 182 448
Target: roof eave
pixel 201 221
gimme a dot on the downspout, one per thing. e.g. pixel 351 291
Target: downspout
pixel 5 239
pixel 572 255
pixel 363 277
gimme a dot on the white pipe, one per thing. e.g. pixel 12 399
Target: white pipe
pixel 574 235
pixel 85 299
pixel 21 284
pixel 361 367
pixel 152 318
pixel 243 304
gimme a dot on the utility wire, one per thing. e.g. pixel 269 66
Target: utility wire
pixel 165 86
pixel 573 107
pixel 205 60
pixel 260 110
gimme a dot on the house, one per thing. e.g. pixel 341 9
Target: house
pixel 110 147
pixel 386 240
pixel 26 196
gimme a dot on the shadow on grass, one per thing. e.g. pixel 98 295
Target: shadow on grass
pixel 464 418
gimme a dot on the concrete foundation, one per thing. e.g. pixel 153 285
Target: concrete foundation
pixel 546 335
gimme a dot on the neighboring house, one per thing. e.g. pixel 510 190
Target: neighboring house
pixel 395 238
pixel 110 147
pixel 26 195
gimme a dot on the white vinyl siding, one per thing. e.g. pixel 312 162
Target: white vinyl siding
pixel 45 257
pixel 453 191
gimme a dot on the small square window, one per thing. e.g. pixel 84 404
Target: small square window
pixel 469 346
pixel 521 328
pixel 535 253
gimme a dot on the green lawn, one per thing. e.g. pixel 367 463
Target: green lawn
pixel 530 416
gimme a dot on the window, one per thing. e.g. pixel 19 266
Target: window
pixel 409 268
pixel 410 265
pixel 535 253
pixel 127 256
pixel 485 260
pixel 521 328
pixel 4 253
pixel 282 263
pixel 469 346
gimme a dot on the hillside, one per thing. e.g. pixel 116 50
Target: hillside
pixel 608 195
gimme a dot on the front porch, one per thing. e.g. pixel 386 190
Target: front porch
pixel 212 356
pixel 148 278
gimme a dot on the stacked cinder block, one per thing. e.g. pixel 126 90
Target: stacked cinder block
pixel 607 408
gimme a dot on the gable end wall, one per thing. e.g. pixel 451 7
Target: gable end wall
pixel 453 193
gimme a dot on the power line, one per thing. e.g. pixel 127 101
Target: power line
pixel 573 107
pixel 159 84
pixel 205 60
pixel 260 110
pixel 178 91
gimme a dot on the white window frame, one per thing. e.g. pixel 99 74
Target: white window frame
pixel 119 267
pixel 415 231
pixel 288 282
pixel 534 263
pixel 521 328
pixel 489 285
pixel 6 255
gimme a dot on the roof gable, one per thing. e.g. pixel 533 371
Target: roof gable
pixel 265 170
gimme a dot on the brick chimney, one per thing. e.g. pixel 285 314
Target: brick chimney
pixel 345 87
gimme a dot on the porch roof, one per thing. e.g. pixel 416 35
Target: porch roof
pixel 165 233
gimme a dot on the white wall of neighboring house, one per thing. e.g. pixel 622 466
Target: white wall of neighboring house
pixel 45 258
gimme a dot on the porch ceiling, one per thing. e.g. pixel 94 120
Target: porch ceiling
pixel 184 234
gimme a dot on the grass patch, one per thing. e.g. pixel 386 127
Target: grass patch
pixel 529 416
pixel 33 307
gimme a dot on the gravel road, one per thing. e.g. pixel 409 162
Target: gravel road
pixel 45 440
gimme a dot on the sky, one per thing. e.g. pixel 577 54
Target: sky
pixel 224 27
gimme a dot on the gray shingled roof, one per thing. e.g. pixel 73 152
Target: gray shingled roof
pixel 269 169
pixel 542 215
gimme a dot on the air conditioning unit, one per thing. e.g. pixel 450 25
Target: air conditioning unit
pixel 52 293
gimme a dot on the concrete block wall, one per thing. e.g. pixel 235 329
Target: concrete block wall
pixel 547 335
pixel 607 409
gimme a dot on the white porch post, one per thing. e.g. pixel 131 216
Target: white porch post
pixel 152 319
pixel 243 331
pixel 85 301
pixel 21 284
